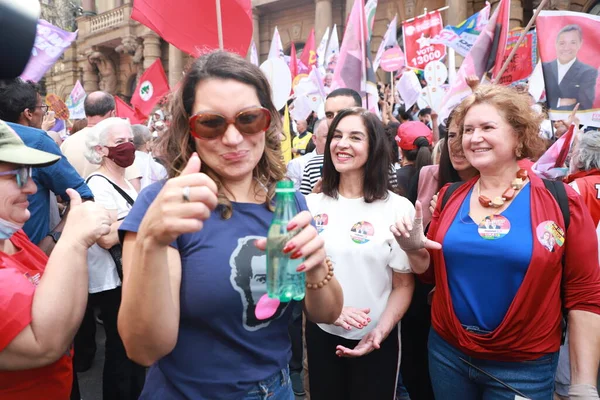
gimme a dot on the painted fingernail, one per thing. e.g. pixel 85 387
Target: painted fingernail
pixel 288 248
pixel 291 226
pixel 296 255
pixel 301 268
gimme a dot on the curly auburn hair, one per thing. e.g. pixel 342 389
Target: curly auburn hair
pixel 516 111
pixel 177 145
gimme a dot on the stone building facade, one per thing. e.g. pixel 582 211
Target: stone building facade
pixel 112 50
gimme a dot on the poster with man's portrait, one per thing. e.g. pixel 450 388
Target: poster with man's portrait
pixel 570 54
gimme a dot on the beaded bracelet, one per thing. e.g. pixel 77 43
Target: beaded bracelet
pixel 325 281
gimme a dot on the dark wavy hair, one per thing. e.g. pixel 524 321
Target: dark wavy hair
pixel 177 145
pixel 377 167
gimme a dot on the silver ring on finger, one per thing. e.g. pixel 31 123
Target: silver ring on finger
pixel 186 194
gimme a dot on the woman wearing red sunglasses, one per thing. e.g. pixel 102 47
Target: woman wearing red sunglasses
pixel 194 292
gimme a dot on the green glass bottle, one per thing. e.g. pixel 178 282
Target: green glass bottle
pixel 283 282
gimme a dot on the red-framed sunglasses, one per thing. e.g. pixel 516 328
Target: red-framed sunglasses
pixel 213 125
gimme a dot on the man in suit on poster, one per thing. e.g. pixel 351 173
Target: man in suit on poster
pixel 568 80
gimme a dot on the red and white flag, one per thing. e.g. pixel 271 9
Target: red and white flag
pixel 418 34
pixel 309 54
pixel 475 63
pixel 153 85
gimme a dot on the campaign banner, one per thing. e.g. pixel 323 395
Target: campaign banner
pixel 463 36
pixel 417 35
pixel 50 43
pixel 523 62
pixel 570 55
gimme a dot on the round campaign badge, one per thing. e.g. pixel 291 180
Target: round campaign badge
pixel 494 227
pixel 361 232
pixel 321 221
pixel 550 235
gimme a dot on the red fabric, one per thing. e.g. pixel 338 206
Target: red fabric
pixel 309 53
pixel 564 151
pixel 588 183
pixel 501 35
pixel 153 85
pixel 124 110
pixel 192 25
pixel 531 327
pixel 19 274
pixel 293 62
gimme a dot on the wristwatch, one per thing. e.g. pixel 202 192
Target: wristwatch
pixel 55 236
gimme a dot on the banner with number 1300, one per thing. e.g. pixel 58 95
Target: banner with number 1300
pixel 417 40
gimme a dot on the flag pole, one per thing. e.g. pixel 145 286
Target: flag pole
pixel 451 65
pixel 219 24
pixel 430 12
pixel 521 38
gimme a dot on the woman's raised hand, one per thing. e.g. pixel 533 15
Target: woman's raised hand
pixel 182 206
pixel 409 233
pixel 306 243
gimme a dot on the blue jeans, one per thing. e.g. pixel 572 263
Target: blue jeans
pixel 453 379
pixel 276 387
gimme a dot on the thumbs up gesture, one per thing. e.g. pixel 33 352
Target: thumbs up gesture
pixel 181 206
pixel 96 219
pixel 409 233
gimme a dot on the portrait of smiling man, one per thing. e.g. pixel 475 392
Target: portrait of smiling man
pixel 568 80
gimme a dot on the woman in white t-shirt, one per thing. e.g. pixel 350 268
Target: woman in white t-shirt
pixel 358 357
pixel 110 144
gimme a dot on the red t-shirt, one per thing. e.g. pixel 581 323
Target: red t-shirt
pixel 19 276
pixel 588 183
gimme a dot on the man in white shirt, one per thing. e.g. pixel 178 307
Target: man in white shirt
pixel 296 166
pixel 98 107
pixel 151 170
pixel 568 80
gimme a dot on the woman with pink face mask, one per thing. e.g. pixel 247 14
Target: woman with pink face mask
pixel 110 145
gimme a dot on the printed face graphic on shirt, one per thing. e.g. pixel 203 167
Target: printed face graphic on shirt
pixel 249 278
pixel 361 232
pixel 321 221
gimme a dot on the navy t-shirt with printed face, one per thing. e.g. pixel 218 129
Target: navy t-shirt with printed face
pixel 222 348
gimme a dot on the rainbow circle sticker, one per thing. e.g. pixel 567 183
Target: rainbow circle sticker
pixel 361 232
pixel 550 235
pixel 494 227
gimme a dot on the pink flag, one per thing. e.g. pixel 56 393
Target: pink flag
pixel 550 164
pixel 352 69
pixel 475 63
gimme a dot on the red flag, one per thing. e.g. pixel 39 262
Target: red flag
pixel 293 62
pixel 309 53
pixel 566 146
pixel 192 25
pixel 153 85
pixel 124 110
pixel 500 38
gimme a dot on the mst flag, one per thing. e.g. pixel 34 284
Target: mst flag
pixel 153 85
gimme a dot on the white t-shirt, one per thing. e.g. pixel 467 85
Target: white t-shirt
pixel 363 250
pixel 151 170
pixel 101 267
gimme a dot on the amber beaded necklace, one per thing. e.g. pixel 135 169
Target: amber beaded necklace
pixel 508 194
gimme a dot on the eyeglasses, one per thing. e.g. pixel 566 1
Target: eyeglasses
pixel 44 108
pixel 22 175
pixel 212 125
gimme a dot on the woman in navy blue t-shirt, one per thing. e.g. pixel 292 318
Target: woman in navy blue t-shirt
pixel 194 292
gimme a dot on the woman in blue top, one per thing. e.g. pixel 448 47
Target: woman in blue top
pixel 194 291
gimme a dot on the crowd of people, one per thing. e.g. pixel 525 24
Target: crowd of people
pixel 438 263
